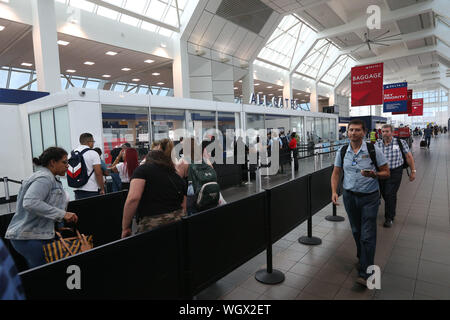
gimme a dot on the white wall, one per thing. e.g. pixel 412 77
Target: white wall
pixel 12 154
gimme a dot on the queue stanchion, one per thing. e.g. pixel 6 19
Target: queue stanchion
pixel 309 239
pixel 269 275
pixel 315 162
pixel 248 173
pixel 258 177
pixel 334 217
pixel 292 166
pixel 6 186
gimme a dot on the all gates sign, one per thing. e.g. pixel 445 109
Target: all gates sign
pixel 396 97
pixel 367 85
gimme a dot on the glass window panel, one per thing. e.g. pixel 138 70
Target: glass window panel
pixel 171 17
pixel 333 129
pixel 129 20
pixel 310 128
pixel 326 129
pixel 226 120
pixel 136 5
pixel 297 126
pixel 163 92
pixel 62 128
pixel 3 78
pixel 165 123
pixel 48 129
pixel 34 86
pixel 35 134
pixel 318 132
pixel 18 79
pixel 125 124
pixel 156 9
pixel 255 122
pixel 201 121
pixel 92 84
pixel 148 26
pixel 63 83
pixel 119 87
pixel 77 82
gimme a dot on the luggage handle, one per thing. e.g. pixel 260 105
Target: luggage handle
pixel 84 243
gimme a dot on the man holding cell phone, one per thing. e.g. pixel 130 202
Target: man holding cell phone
pixel 362 165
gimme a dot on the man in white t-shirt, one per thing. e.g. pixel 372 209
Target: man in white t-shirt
pixel 95 185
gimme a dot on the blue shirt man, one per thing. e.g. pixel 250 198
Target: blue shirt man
pixel 361 193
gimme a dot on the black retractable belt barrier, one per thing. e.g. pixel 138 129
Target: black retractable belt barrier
pixel 283 215
pixel 219 240
pixel 100 216
pixel 145 266
pixel 228 175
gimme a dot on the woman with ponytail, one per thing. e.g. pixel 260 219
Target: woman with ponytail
pixel 41 202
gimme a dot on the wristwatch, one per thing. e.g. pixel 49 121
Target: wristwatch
pixel 414 171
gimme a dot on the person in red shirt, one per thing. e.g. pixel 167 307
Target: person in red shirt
pixel 293 147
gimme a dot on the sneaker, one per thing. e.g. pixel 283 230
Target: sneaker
pixel 361 281
pixel 387 223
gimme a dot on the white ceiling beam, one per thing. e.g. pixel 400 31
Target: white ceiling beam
pixel 134 15
pixel 408 72
pixel 387 17
pixel 344 74
pixel 305 49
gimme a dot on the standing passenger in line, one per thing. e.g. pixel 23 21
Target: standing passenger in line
pixel 41 202
pixel 361 191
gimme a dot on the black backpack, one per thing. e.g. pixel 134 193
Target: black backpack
pixel 206 188
pixel 77 175
pixel 372 154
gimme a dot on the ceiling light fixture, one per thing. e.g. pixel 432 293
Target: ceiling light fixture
pixel 269 87
pixel 89 63
pixel 71 71
pixel 235 88
pixel 256 84
pixel 106 76
pixel 136 80
pixel 62 42
pixel 111 53
pixel 125 69
pixel 156 74
pixel 26 64
pixel 160 83
pixel 163 45
pixel 149 61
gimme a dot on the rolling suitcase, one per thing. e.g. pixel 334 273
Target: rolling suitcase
pixel 423 144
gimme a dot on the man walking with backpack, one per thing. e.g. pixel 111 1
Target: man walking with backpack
pixel 362 165
pixel 85 172
pixel 399 157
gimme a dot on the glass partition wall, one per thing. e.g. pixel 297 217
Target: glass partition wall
pixel 123 124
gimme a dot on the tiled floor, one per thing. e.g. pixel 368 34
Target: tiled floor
pixel 413 255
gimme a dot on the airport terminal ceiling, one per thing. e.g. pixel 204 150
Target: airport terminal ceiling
pixel 302 46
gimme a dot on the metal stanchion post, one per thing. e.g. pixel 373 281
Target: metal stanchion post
pixel 292 165
pixel 258 177
pixel 320 159
pixel 334 217
pixel 5 184
pixel 248 173
pixel 315 162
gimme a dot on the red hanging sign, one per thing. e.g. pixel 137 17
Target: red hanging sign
pixel 409 104
pixel 417 107
pixel 367 85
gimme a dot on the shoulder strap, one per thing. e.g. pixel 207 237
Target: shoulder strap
pixel 83 152
pixel 372 154
pixel 400 145
pixel 343 152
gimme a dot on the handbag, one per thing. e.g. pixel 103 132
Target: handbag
pixel 66 247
